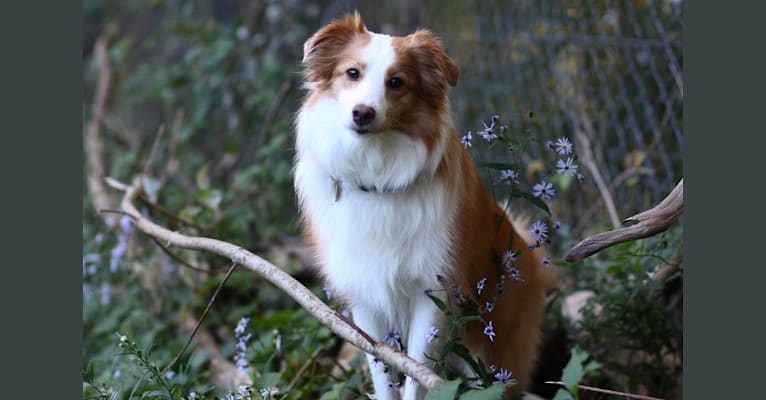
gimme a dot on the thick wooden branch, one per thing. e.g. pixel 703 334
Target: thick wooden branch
pixel 326 315
pixel 647 223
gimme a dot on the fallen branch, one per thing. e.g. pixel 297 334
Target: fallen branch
pixel 326 315
pixel 647 223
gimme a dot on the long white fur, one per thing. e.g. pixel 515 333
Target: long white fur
pixel 378 250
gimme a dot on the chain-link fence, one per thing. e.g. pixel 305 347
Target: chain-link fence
pixel 606 74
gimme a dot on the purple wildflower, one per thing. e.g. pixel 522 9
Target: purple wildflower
pixel 566 167
pixel 490 332
pixel 106 293
pixel 514 274
pixel 327 292
pixel 563 146
pixel 241 345
pixel 480 285
pixel 457 295
pixel 580 178
pixel 509 257
pixel 489 306
pixel 432 334
pixel 117 253
pixel 466 139
pixel 539 231
pixel 126 225
pixel 503 377
pixel 241 325
pixel 546 261
pixel 509 176
pixel 543 190
pixel 394 339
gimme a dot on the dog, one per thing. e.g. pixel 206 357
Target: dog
pixel 390 201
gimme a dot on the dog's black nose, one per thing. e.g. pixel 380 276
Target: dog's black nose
pixel 363 114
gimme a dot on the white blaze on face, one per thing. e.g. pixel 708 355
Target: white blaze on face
pixel 376 57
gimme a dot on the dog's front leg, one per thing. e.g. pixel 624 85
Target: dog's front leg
pixel 381 374
pixel 421 340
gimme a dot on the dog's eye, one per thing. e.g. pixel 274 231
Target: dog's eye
pixel 395 83
pixel 353 73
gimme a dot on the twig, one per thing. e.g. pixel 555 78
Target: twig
pixel 171 163
pixel 115 184
pixel 112 211
pixel 153 152
pixel 224 373
pixel 168 213
pixel 93 144
pixel 648 223
pixel 271 114
pixel 201 318
pixel 586 155
pixel 268 121
pixel 326 315
pixel 303 368
pixel 607 391
pixel 181 260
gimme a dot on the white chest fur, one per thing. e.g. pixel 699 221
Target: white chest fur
pixel 379 250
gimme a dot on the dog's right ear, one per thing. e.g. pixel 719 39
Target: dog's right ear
pixel 321 49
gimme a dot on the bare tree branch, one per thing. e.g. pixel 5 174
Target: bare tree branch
pixel 326 315
pixel 647 223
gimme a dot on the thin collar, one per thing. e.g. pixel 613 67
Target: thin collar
pixel 338 187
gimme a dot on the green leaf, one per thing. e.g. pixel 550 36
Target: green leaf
pixel 438 302
pixel 202 179
pixel 499 166
pixel 468 318
pixel 334 393
pixel 534 200
pixel 443 390
pixel 494 392
pixel 563 395
pixel 151 188
pixel 592 366
pixel 573 372
pixel 267 380
pixel 211 198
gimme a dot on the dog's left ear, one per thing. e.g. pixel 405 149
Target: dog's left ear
pixel 429 49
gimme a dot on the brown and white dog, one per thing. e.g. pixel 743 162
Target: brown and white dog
pixel 391 199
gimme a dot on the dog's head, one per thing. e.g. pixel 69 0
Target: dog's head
pixel 373 85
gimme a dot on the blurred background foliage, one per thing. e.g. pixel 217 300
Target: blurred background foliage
pixel 223 80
